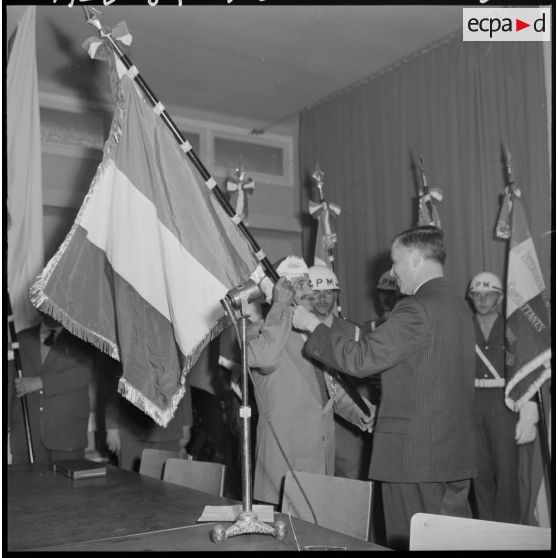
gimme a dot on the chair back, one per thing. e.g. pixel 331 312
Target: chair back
pixel 205 476
pixel 442 532
pixel 153 462
pixel 340 504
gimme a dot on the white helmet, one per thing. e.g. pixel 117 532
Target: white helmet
pixel 322 278
pixel 290 267
pixel 485 282
pixel 387 282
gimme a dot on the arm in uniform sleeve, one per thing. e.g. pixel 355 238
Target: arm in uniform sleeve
pixel 266 343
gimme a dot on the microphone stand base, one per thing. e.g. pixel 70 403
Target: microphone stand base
pixel 247 523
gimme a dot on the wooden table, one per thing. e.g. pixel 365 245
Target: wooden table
pixel 127 511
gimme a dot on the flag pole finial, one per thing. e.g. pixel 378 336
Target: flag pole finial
pixel 92 17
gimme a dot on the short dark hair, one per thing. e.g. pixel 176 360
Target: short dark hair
pixel 428 239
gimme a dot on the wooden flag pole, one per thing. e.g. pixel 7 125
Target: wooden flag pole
pixel 14 345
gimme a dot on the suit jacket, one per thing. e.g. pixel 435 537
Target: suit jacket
pixel 426 357
pixel 59 413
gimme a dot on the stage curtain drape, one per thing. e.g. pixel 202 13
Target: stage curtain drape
pixel 455 104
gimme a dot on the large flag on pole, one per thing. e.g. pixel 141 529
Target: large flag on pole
pixel 527 316
pixel 148 259
pixel 528 352
pixel 25 198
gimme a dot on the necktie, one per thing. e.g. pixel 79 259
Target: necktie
pixel 49 340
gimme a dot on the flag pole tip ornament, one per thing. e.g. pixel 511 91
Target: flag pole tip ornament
pixel 240 185
pixel 427 210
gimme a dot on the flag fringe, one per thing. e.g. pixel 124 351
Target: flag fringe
pixel 542 359
pixel 163 417
pixel 36 293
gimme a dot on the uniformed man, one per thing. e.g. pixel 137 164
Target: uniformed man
pixel 496 488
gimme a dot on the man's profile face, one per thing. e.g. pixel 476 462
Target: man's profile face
pixel 402 268
pixel 324 302
pixel 303 293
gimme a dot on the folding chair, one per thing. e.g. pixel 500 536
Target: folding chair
pixel 442 532
pixel 205 476
pixel 153 462
pixel 340 504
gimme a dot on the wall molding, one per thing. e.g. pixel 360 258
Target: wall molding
pixel 77 142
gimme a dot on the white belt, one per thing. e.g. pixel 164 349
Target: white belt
pixel 490 382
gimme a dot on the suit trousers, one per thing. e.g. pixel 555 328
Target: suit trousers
pixel 496 487
pixel 402 500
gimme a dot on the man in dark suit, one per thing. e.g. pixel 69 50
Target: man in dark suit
pixel 56 368
pixel 424 438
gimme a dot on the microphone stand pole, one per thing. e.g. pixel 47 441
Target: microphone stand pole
pixel 247 521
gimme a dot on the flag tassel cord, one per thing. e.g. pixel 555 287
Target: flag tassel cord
pixel 25 408
pixel 106 33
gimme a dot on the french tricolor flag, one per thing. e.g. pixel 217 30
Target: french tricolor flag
pixel 150 255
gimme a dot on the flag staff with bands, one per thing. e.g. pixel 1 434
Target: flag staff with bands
pixel 92 17
pixel 14 346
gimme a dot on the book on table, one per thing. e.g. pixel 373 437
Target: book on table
pixel 79 468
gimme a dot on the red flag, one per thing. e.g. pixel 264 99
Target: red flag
pixel 528 357
pixel 147 260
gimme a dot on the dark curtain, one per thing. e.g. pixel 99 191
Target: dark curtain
pixel 455 105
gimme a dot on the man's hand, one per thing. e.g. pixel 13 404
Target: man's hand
pixel 366 423
pixel 526 429
pixel 283 291
pixel 304 319
pixel 27 385
pixel 113 440
pixel 183 442
pixel 266 285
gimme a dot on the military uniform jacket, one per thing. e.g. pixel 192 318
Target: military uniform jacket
pixel 425 353
pixel 493 349
pixel 59 413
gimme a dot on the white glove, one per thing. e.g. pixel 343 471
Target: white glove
pixel 113 440
pixel 304 319
pixel 525 429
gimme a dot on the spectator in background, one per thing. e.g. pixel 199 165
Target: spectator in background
pixel 350 441
pixel 130 430
pixel 215 407
pixel 56 368
pixel 424 439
